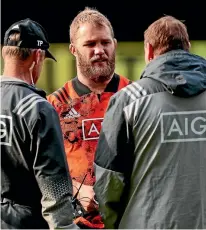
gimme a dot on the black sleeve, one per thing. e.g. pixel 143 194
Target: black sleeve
pixel 113 163
pixel 51 170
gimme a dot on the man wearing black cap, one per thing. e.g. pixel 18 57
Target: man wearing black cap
pixel 36 188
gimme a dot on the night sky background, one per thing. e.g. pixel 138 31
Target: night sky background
pixel 129 18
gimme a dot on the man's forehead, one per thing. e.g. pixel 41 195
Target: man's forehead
pixel 89 31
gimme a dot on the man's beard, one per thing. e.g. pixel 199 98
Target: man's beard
pixel 98 74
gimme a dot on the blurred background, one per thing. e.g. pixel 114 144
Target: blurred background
pixel 129 19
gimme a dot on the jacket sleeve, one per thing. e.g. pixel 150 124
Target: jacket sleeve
pixel 51 170
pixel 113 163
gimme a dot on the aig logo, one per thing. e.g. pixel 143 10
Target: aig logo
pixel 5 130
pixel 183 126
pixel 91 128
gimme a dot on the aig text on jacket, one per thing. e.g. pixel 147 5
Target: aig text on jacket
pixel 185 126
pixel 6 129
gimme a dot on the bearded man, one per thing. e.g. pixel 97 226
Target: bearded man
pixel 82 102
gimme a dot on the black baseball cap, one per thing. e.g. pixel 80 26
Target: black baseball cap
pixel 32 35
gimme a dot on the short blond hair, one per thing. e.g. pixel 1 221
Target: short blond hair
pixel 20 53
pixel 166 34
pixel 90 15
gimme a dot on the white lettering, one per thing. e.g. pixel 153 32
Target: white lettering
pixel 93 129
pixel 39 42
pixel 6 130
pixel 184 126
pixel 2 130
pixel 203 127
pixel 175 128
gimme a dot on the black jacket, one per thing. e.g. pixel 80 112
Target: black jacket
pixel 151 155
pixel 34 174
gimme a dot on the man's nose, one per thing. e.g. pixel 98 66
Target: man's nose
pixel 99 49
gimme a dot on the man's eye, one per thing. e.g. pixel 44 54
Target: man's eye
pixel 105 43
pixel 90 44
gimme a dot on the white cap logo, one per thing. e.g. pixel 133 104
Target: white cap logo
pixel 39 42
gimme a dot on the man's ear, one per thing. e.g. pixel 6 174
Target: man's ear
pixel 150 51
pixel 115 42
pixel 3 52
pixel 39 55
pixel 72 49
pixel 189 45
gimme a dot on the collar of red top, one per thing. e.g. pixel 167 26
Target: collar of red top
pixel 82 89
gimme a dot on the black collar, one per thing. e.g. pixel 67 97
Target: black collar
pixel 82 89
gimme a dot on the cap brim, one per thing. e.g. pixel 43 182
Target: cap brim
pixel 49 55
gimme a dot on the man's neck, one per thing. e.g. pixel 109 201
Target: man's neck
pixel 9 78
pixel 17 73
